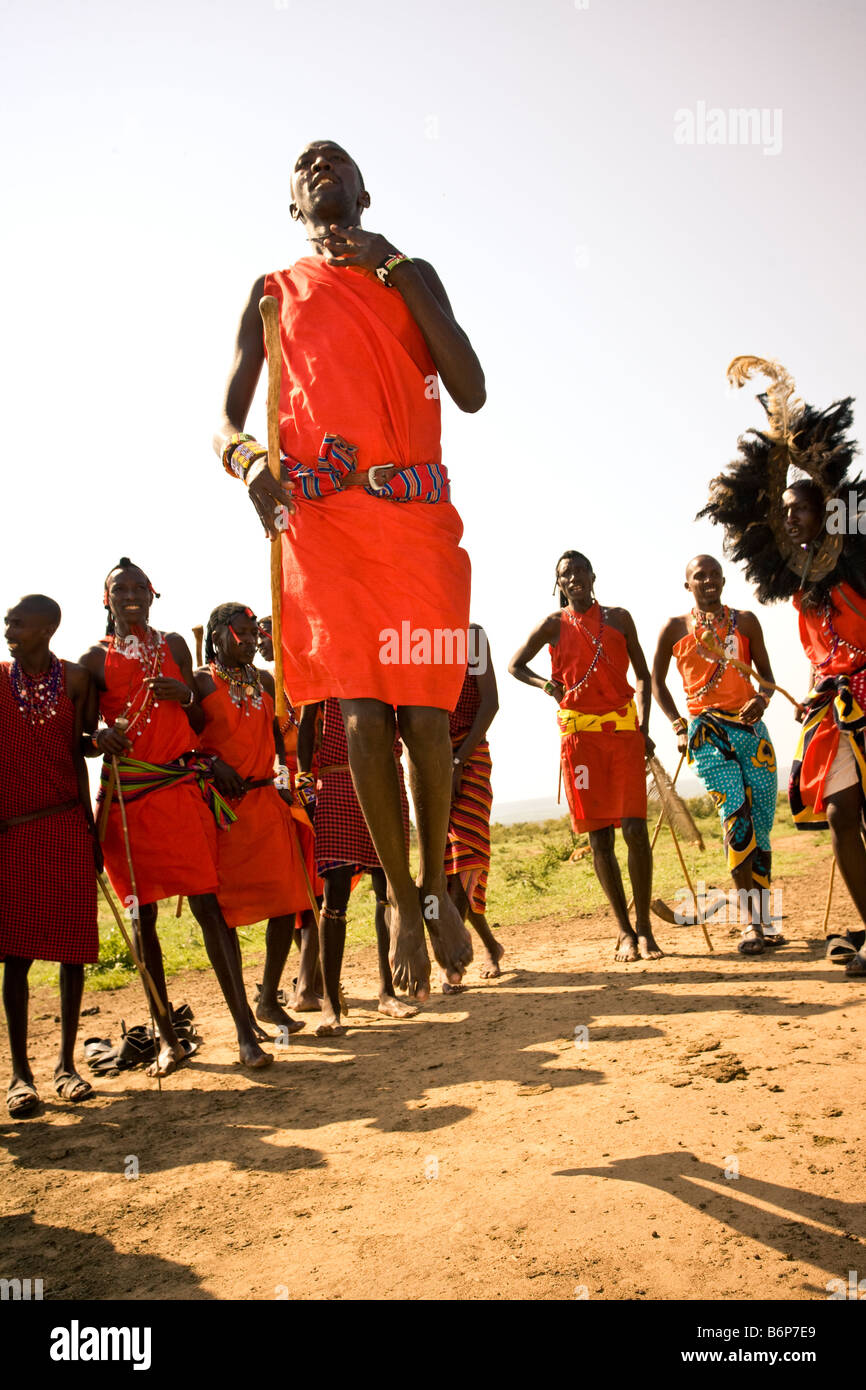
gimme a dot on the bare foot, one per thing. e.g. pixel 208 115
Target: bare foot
pixel 274 1013
pixel 168 1060
pixel 251 1055
pixel 857 965
pixel 626 947
pixel 408 958
pixel 306 1003
pixel 329 1030
pixel 258 1033
pixel 647 946
pixel 395 1008
pixel 490 964
pixel 449 936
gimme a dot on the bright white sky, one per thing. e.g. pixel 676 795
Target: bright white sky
pixel 605 274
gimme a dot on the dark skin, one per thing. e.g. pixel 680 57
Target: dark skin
pixel 803 523
pixel 486 713
pixel 332 924
pixel 29 628
pixel 235 645
pixel 576 583
pixel 704 582
pixel 329 199
pixel 129 599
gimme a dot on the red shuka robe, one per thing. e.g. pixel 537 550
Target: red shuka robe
pixel 172 832
pixel 258 856
pixel 356 567
pixel 604 771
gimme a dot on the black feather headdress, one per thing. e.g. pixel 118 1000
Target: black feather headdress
pixel 747 499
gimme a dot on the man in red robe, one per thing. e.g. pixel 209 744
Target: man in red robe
pixel 605 737
pixel 48 849
pixel 367 333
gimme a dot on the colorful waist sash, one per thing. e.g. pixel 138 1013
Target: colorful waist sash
pixel 137 778
pixel 422 482
pixel 571 721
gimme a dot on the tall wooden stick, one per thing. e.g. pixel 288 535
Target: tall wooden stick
pixel 717 652
pixel 270 312
pixel 198 634
pixel 829 893
pixel 122 725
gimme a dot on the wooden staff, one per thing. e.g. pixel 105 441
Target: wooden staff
pixel 122 725
pixel 659 823
pixel 714 649
pixel 829 893
pixel 270 312
pixel 198 634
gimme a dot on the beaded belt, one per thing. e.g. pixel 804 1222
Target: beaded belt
pixel 421 482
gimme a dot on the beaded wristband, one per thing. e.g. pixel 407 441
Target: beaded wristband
pixel 680 726
pixel 239 454
pixel 384 270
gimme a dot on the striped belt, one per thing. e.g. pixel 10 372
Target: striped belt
pixel 571 721
pixel 335 469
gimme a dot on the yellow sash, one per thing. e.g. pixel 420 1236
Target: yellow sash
pixel 571 721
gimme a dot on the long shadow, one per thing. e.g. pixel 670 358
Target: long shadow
pixel 675 1172
pixel 74 1264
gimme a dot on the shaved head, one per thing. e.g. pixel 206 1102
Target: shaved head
pixel 706 562
pixel 40 609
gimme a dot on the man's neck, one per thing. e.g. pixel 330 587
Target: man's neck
pixel 712 610
pixel 122 630
pixel 582 607
pixel 316 232
pixel 37 663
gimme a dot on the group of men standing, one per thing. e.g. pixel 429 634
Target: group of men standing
pixel 370 543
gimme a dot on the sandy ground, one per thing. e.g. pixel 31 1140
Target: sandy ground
pixel 476 1151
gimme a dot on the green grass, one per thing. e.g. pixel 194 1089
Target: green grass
pixel 531 877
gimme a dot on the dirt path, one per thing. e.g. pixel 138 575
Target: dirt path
pixel 477 1152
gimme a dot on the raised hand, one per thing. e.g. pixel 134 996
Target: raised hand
pixel 354 246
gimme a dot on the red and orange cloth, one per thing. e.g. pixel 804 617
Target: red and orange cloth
pixel 603 750
pixel 172 831
pixel 259 859
pixel 834 639
pixel 355 565
pixel 467 852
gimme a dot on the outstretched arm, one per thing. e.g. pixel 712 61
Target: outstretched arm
pixel 546 634
pixel 669 635
pixel 751 628
pixel 643 680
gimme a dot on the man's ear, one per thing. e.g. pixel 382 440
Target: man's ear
pixel 364 199
pixel 293 212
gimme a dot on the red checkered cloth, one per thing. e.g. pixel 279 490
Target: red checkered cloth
pixel 342 837
pixel 467 853
pixel 47 876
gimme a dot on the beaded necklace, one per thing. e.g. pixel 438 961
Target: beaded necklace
pixel 596 642
pixel 37 696
pixel 149 651
pixel 244 683
pixel 708 621
pixel 827 624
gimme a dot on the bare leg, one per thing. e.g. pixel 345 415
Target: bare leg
pixel 171 1052
pixel 16 999
pixel 309 988
pixel 493 949
pixel 752 943
pixel 370 729
pixel 608 874
pixel 71 989
pixel 224 957
pixel 332 942
pixel 428 745
pixel 843 814
pixel 389 1004
pixel 278 943
pixel 640 871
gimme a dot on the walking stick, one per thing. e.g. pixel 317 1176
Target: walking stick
pixel 829 893
pixel 710 643
pixel 660 821
pixel 270 312
pixel 122 725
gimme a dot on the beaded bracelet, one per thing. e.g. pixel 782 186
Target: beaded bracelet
pixel 680 726
pixel 241 451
